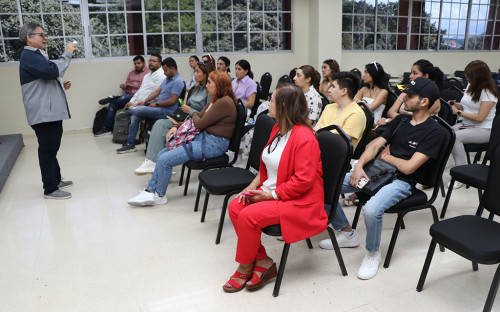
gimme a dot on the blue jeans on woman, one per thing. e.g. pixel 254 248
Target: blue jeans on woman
pixel 373 210
pixel 204 146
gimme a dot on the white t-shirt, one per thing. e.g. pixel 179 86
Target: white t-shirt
pixel 473 107
pixel 272 160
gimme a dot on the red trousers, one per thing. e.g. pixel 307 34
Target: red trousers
pixel 248 221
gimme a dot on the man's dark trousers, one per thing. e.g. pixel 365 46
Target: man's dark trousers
pixel 49 140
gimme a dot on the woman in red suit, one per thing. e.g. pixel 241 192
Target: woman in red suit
pixel 288 191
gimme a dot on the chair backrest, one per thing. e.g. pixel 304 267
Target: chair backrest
pixel 324 102
pixel 360 148
pixel 446 112
pixel 491 196
pixel 262 131
pixel 406 78
pixel 461 74
pixel 183 93
pixel 448 83
pixel 292 73
pixel 391 98
pixel 494 138
pixel 265 85
pixel 234 143
pixel 285 78
pixel 356 72
pixel 435 168
pixel 452 93
pixel 336 150
pixel 256 103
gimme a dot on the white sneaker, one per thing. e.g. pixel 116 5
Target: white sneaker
pixel 456 185
pixel 369 265
pixel 160 200
pixel 144 198
pixel 146 167
pixel 344 239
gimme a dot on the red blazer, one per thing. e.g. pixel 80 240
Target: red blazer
pixel 299 186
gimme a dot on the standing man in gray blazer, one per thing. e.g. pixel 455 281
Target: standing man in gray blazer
pixel 44 98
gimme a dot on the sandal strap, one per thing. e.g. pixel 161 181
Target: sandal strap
pixel 244 276
pixel 235 284
pixel 255 278
pixel 260 269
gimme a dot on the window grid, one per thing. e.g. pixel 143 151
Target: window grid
pixel 433 25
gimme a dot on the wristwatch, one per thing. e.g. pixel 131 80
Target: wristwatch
pixel 387 120
pixel 157 104
pixel 459 112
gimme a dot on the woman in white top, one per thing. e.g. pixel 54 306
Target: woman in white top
pixel 329 67
pixel 307 79
pixel 193 61
pixel 477 110
pixel 375 93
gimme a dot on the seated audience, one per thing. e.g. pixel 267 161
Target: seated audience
pixel 167 93
pixel 208 58
pixel 307 79
pixel 375 93
pixel 421 68
pixel 193 61
pixel 477 110
pixel 196 100
pixel 131 85
pixel 288 190
pixel 409 148
pixel 329 67
pixel 344 112
pixel 244 87
pixel 224 64
pixel 216 124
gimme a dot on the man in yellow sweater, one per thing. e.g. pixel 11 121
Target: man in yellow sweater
pixel 344 112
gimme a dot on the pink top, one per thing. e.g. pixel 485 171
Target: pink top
pixel 135 79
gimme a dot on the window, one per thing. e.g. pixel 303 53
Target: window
pixel 434 25
pixel 114 28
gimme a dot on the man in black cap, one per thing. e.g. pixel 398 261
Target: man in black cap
pixel 411 142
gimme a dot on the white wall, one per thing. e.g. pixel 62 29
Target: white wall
pixel 317 36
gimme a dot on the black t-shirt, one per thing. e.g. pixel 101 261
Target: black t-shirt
pixel 427 138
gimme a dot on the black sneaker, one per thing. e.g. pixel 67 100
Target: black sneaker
pixel 106 100
pixel 102 132
pixel 126 149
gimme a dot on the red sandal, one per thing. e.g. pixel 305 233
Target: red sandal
pixel 235 285
pixel 267 274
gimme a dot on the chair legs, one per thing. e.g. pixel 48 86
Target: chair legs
pixel 309 244
pixel 187 181
pixel 427 264
pixel 441 186
pixel 356 215
pixel 205 204
pixel 447 199
pixel 182 174
pixel 493 291
pixel 197 197
pixel 337 251
pixel 222 217
pixel 281 270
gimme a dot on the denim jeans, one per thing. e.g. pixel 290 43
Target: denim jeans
pixel 213 146
pixel 373 210
pixel 140 113
pixel 114 105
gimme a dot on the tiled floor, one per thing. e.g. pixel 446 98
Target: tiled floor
pixel 93 252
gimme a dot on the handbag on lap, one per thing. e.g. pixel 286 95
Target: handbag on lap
pixel 186 133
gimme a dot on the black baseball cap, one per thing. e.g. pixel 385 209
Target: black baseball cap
pixel 424 87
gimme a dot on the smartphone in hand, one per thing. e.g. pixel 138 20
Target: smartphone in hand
pixel 362 182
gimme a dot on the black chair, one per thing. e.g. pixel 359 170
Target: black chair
pixel 406 78
pixel 473 237
pixel 232 180
pixel 285 78
pixel 360 148
pixel 256 103
pixel 461 74
pixel 234 145
pixel 474 174
pixel 418 200
pixel 358 74
pixel 477 148
pixel 391 98
pixel 324 102
pixel 265 84
pixel 450 82
pixel 446 113
pixel 336 152
pixel 452 93
pixel 292 73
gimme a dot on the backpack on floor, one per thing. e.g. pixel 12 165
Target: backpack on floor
pixel 120 129
pixel 99 119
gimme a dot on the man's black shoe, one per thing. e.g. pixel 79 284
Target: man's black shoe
pixel 106 100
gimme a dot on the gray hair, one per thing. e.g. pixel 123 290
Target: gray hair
pixel 26 30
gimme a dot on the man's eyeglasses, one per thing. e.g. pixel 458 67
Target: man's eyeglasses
pixel 43 35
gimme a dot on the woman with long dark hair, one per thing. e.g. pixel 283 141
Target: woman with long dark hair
pixel 193 61
pixel 375 93
pixel 329 67
pixel 216 125
pixel 288 191
pixel 307 78
pixel 477 109
pixel 244 87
